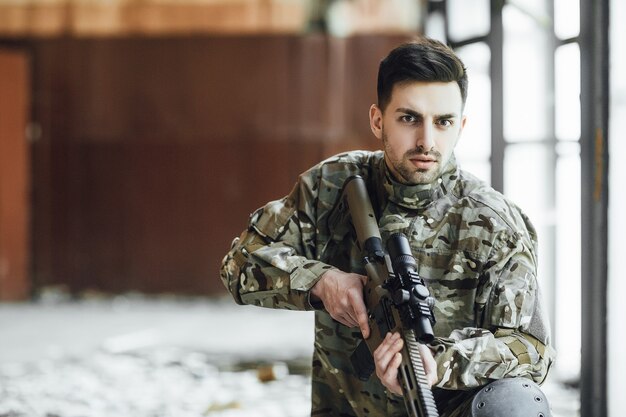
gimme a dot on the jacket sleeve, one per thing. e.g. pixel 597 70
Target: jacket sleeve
pixel 273 263
pixel 512 335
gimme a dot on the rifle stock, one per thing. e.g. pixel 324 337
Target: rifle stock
pixel 396 298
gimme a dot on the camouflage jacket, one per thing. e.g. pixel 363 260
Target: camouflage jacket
pixel 475 250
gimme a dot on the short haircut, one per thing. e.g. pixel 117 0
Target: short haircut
pixel 424 59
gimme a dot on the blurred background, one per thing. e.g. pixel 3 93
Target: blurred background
pixel 136 136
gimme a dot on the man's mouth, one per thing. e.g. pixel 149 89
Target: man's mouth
pixel 423 162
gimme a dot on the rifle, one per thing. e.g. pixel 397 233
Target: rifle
pixel 397 300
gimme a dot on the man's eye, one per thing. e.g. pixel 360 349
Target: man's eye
pixel 445 122
pixel 407 118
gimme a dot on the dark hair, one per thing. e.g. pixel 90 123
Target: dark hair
pixel 424 59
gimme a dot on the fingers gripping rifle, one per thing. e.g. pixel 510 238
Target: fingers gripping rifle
pixel 397 301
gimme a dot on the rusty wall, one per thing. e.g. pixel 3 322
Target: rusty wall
pixel 154 151
pixel 14 176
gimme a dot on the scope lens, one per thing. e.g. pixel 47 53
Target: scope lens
pixel 400 253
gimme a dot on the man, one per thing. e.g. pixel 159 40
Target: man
pixel 475 250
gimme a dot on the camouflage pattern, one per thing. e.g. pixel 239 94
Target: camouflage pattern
pixel 475 250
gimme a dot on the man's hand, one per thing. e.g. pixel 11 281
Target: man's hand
pixel 342 296
pixel 387 358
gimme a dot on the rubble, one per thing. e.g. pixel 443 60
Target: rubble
pixel 154 382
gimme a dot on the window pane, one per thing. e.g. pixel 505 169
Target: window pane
pixel 567 323
pixel 436 27
pixel 567 92
pixel 468 18
pixel 528 174
pixel 526 101
pixel 566 18
pixel 474 149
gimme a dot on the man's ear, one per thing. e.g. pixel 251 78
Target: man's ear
pixel 376 121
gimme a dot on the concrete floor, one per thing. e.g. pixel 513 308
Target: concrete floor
pixel 137 356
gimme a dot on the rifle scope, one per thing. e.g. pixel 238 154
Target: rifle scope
pixel 409 292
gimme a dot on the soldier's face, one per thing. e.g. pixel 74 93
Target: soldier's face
pixel 419 129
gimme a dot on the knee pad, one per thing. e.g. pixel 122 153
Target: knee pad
pixel 511 397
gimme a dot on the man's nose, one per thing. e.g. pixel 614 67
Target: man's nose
pixel 425 137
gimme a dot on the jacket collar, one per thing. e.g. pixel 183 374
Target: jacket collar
pixel 420 195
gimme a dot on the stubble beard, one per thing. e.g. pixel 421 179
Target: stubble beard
pixel 404 170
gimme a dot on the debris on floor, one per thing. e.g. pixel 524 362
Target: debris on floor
pixel 155 382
